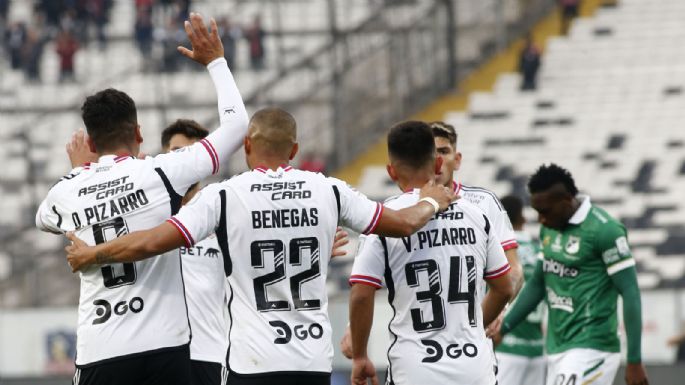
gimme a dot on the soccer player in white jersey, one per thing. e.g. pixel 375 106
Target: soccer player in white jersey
pixel 446 146
pixel 434 281
pixel 276 225
pixel 133 326
pixel 204 279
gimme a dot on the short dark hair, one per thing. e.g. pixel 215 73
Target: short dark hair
pixel 111 118
pixel 411 143
pixel 550 175
pixel 514 208
pixel 444 130
pixel 186 127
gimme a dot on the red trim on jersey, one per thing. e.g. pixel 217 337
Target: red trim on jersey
pixel 122 158
pixel 212 154
pixel 365 280
pixel 260 169
pixel 510 244
pixel 456 187
pixel 498 273
pixel 374 221
pixel 182 229
pixel 286 167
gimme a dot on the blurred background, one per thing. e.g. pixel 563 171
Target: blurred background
pixel 595 86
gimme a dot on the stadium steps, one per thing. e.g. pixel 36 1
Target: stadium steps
pixel 484 78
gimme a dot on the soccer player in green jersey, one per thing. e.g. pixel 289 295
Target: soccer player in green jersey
pixel 520 359
pixel 586 264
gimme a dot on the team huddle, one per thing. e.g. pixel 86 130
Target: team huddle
pixel 227 284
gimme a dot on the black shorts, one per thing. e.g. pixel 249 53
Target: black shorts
pixel 280 379
pixel 169 367
pixel 207 373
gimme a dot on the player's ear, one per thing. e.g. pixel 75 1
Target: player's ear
pixel 457 160
pixel 139 136
pixel 392 173
pixel 438 164
pixel 247 144
pixel 293 152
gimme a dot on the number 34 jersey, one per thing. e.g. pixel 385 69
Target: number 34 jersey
pixel 435 287
pixel 276 229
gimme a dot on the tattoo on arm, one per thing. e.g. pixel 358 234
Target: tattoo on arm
pixel 101 258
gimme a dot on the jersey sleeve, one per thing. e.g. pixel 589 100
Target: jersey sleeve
pixel 357 212
pixel 496 264
pixel 48 218
pixel 191 164
pixel 500 223
pixel 612 245
pixel 200 217
pixel 369 264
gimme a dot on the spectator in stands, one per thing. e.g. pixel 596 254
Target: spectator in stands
pixel 16 38
pixel 32 52
pixel 98 12
pixel 4 10
pixel 66 46
pixel 529 63
pixel 230 34
pixel 255 37
pixel 569 11
pixel 143 31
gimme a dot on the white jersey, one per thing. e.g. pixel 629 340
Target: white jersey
pixel 131 308
pixel 488 202
pixel 434 287
pixel 277 227
pixel 205 284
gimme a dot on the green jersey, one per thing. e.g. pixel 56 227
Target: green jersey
pixel 577 264
pixel 526 338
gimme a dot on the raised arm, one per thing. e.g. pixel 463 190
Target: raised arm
pixel 193 163
pixel 131 247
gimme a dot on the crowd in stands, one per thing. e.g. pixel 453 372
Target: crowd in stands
pixel 74 24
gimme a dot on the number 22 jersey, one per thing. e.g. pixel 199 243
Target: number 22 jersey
pixel 276 227
pixel 435 287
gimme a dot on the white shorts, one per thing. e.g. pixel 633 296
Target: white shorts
pixel 582 367
pixel 513 369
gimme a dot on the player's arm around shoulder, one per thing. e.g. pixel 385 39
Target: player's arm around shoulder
pixel 404 222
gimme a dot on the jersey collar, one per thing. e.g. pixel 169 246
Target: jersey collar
pixel 108 159
pixel 281 169
pixel 456 187
pixel 582 211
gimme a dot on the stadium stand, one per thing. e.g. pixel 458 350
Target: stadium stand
pixel 38 117
pixel 610 107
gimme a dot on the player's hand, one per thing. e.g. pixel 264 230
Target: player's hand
pixel 78 253
pixel 443 195
pixel 363 370
pixel 496 338
pixel 206 46
pixel 341 239
pixel 346 344
pixel 636 374
pixel 78 149
pixel 494 326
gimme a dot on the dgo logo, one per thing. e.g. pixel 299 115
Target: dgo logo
pixel 104 309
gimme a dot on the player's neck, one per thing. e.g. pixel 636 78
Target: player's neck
pixel 408 184
pixel 272 164
pixel 119 151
